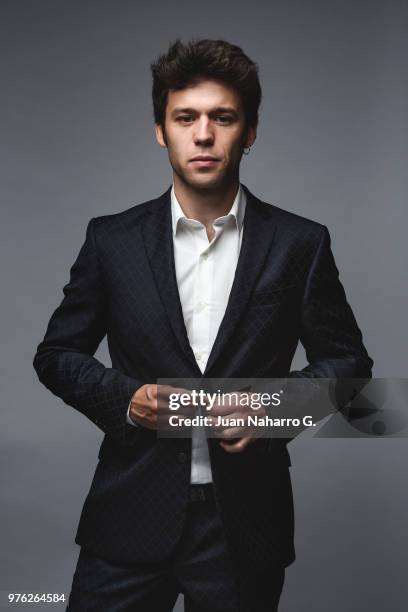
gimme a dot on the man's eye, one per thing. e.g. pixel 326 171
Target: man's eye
pixel 185 118
pixel 224 119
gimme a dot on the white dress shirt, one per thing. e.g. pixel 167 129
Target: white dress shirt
pixel 205 273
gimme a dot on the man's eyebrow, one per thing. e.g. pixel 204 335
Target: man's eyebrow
pixel 225 109
pixel 218 109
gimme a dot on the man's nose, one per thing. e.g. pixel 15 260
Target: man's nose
pixel 203 133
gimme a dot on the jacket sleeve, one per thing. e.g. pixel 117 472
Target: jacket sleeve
pixel 64 361
pixel 329 331
pixel 338 363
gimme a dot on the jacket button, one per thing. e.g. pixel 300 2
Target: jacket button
pixel 181 457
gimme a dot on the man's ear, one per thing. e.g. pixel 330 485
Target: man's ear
pixel 160 136
pixel 250 136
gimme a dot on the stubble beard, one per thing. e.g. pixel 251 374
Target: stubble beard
pixel 220 183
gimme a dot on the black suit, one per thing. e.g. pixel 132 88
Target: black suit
pixel 123 284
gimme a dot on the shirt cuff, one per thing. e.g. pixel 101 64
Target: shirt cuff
pixel 128 419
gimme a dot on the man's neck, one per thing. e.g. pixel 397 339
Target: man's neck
pixel 205 205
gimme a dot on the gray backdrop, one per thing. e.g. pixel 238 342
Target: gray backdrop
pixel 77 142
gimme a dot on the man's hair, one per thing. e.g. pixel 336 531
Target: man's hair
pixel 185 65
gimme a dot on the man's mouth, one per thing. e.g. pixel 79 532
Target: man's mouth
pixel 204 161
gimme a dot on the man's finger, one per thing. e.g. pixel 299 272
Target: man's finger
pixel 166 390
pixel 151 392
pixel 142 411
pixel 238 446
pixel 228 433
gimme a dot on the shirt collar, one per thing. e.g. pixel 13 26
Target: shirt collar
pixel 237 209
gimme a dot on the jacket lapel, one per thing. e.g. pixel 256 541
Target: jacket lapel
pixel 158 240
pixel 258 234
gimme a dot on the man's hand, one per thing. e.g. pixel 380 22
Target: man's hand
pixel 233 440
pixel 237 446
pixel 150 405
pixel 150 408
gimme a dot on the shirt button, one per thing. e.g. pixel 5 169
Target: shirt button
pixel 181 457
pixel 204 256
pixel 199 356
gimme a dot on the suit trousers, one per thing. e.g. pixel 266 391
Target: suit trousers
pixel 200 568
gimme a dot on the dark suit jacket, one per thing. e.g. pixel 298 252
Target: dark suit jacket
pixel 123 284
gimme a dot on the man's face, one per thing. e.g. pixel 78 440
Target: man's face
pixel 205 132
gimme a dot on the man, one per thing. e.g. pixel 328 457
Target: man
pixel 204 281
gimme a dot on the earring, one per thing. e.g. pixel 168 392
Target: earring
pixel 246 150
